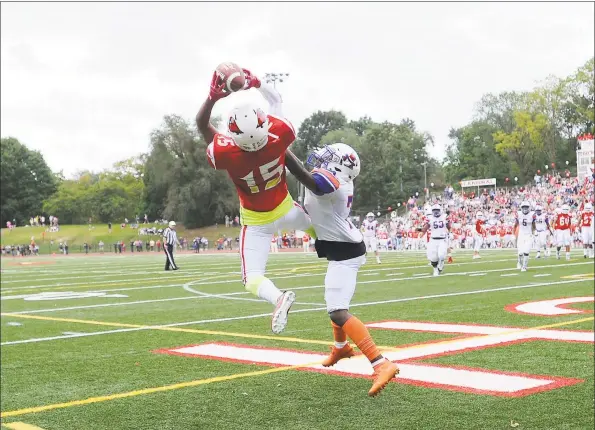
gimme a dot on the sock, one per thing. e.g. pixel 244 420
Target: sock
pixel 339 336
pixel 567 254
pixel 359 334
pixel 525 260
pixel 267 290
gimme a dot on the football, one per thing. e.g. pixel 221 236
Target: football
pixel 232 75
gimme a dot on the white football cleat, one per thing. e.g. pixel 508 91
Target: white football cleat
pixel 523 269
pixel 436 271
pixel 279 321
pixel 518 266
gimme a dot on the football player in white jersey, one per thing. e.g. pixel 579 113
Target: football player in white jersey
pixel 437 247
pixel 393 229
pixel 542 229
pixel 586 224
pixel 524 226
pixel 342 244
pixel 370 225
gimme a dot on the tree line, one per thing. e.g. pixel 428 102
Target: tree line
pixel 512 134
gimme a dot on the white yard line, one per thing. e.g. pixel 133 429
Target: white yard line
pixel 407 299
pixel 85 268
pixel 182 274
pixel 375 281
pixel 322 269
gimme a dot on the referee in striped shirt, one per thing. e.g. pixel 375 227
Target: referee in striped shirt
pixel 170 238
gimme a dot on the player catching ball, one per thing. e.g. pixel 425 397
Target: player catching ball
pixel 253 154
pixel 342 244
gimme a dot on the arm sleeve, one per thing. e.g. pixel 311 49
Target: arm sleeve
pixel 326 182
pixel 217 155
pixel 211 155
pixel 273 98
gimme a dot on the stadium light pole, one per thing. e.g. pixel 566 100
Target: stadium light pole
pixel 275 77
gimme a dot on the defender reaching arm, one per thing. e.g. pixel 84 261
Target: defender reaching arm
pixel 319 181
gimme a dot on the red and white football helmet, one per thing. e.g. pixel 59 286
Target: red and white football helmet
pixel 248 125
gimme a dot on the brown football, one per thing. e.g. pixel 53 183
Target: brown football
pixel 232 75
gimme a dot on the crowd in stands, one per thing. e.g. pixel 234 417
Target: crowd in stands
pixel 499 206
pixel 398 230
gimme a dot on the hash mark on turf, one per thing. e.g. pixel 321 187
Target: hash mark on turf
pixel 541 275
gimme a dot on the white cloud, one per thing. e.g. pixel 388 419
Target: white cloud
pixel 85 83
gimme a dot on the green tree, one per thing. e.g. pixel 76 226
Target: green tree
pixel 180 184
pixel 472 155
pixel 314 128
pixel 25 181
pixel 392 170
pixel 524 145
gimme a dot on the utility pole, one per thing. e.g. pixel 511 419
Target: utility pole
pixel 425 164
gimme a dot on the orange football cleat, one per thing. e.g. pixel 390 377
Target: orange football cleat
pixel 450 259
pixel 338 354
pixel 383 373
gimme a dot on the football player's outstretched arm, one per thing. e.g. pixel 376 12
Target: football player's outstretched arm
pixel 203 117
pixel 319 181
pixel 269 93
pixel 203 121
pixel 298 170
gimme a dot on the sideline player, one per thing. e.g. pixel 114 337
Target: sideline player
pixel 370 225
pixel 524 228
pixel 586 223
pixel 542 228
pixel 341 243
pixel 479 235
pixel 562 229
pixel 253 154
pixel 439 228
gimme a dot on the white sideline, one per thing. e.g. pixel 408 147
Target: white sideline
pixel 237 293
pixel 408 299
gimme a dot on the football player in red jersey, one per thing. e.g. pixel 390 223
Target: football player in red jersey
pixel 562 229
pixel 480 234
pixel 253 154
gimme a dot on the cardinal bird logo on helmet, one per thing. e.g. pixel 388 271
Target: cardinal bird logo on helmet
pixel 261 118
pixel 233 126
pixel 349 160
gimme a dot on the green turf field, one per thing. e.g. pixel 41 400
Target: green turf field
pixel 114 342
